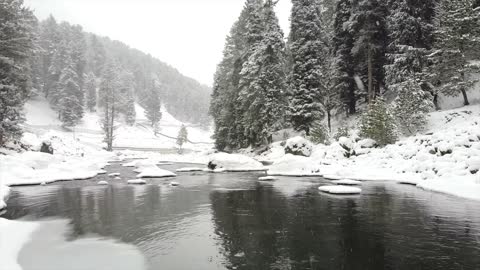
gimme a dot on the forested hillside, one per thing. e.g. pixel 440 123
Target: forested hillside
pixel 387 62
pixel 78 71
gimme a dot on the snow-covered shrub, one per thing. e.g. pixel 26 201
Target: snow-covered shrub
pixel 319 134
pixel 342 131
pixel 298 146
pixel 474 165
pixel 378 124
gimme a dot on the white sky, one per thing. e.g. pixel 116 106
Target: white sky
pixel 187 34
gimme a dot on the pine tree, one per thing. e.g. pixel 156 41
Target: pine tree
pixel 306 47
pixel 262 97
pixel 153 105
pixel 182 137
pixel 369 24
pixel 91 91
pixel 71 96
pixel 456 34
pixel 127 93
pixel 49 41
pixel 410 108
pixel 378 124
pixel 16 35
pixel 344 63
pixel 228 131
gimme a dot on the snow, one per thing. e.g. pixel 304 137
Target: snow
pixel 298 146
pixel 340 190
pixel 137 182
pixel 154 172
pixel 347 182
pixel 290 165
pixel 267 178
pixel 13 235
pixel 103 183
pixel 445 158
pixel 234 163
pixel 190 169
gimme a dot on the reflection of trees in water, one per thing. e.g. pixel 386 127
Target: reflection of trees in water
pixel 378 231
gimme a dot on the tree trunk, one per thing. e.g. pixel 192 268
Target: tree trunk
pixel 435 102
pixel 329 121
pixel 370 76
pixel 465 98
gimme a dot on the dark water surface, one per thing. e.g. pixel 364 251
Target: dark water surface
pixel 232 221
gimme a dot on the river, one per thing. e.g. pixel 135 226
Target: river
pixel 232 221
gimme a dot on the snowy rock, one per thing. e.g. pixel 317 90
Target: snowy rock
pixel 46 147
pixel 174 184
pixel 367 143
pixel 189 169
pixel 298 146
pixel 267 178
pixel 117 178
pixel 114 174
pixel 348 145
pixel 474 165
pixel 154 172
pixel 347 182
pixel 234 163
pixel 137 182
pixel 103 183
pixel 340 190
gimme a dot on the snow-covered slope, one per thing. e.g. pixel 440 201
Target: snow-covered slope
pixel 40 119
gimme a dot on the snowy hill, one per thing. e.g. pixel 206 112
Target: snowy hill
pixel 41 119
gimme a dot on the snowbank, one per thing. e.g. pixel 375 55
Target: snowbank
pixel 347 182
pixel 147 168
pixel 13 235
pixel 446 158
pixel 234 163
pixel 340 190
pixel 267 178
pixel 31 168
pixel 4 192
pixel 290 165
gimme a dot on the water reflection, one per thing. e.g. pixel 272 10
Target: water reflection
pixel 231 221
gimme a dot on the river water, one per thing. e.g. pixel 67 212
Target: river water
pixel 232 221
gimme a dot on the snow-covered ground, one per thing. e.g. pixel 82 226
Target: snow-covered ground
pixel 445 158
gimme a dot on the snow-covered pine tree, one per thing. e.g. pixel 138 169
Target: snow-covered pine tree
pixel 306 46
pixel 91 91
pixel 96 55
pixel 52 86
pixel 49 39
pixel 16 23
pixel 182 137
pixel 70 107
pixel 410 107
pixel 108 99
pixel 228 132
pixel 127 97
pixel 343 40
pixel 457 33
pixel 263 81
pixel 369 24
pixel 378 124
pixel 153 105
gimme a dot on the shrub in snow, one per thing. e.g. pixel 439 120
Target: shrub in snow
pixel 378 124
pixel 298 146
pixel 319 134
pixel 342 131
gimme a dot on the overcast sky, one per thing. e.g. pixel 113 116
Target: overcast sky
pixel 187 34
